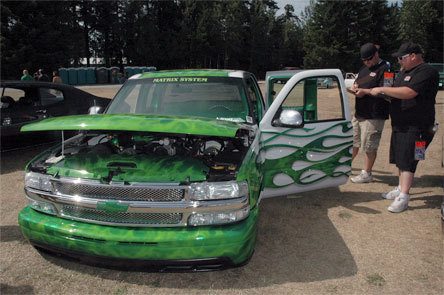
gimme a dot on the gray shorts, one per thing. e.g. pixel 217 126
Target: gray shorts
pixel 367 133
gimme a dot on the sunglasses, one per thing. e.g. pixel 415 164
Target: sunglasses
pixel 404 57
pixel 368 58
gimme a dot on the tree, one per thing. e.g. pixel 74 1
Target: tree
pixel 419 22
pixel 35 35
pixel 262 14
pixel 335 32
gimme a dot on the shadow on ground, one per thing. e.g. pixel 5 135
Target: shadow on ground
pixel 10 233
pixel 7 289
pixel 421 181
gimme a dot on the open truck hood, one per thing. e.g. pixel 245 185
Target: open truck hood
pixel 141 123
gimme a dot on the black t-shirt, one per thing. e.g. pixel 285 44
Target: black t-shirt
pixel 368 106
pixel 419 111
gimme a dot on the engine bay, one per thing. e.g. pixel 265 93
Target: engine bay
pixel 221 155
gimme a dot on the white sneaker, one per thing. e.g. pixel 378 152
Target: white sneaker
pixel 391 195
pixel 363 177
pixel 400 203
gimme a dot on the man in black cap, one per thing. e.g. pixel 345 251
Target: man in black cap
pixel 412 111
pixel 370 111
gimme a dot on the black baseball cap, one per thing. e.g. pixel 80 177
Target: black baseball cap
pixel 407 48
pixel 368 50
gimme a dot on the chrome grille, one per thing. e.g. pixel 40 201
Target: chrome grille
pixel 124 193
pixel 122 218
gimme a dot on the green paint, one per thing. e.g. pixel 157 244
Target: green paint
pixel 186 73
pixel 142 123
pixel 272 167
pixel 235 242
pixel 111 206
pixel 142 168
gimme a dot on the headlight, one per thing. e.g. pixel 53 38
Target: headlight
pixel 214 218
pixel 38 181
pixel 43 207
pixel 218 190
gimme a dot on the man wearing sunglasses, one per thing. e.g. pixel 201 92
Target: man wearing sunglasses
pixel 370 111
pixel 412 112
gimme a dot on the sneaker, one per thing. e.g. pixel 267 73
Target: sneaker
pixel 400 203
pixel 363 177
pixel 391 195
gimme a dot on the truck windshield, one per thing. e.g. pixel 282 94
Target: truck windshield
pixel 220 98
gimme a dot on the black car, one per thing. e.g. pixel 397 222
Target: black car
pixel 24 102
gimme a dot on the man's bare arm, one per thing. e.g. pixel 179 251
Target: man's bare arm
pixel 403 92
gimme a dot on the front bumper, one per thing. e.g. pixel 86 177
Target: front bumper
pixel 232 244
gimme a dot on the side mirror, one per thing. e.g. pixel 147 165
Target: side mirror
pixel 95 110
pixel 290 118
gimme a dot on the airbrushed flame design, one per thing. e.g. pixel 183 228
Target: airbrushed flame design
pixel 313 161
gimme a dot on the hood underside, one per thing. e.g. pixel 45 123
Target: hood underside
pixel 138 123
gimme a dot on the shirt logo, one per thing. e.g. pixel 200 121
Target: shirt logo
pixel 372 74
pixel 407 78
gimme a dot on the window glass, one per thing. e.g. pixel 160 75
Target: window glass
pixel 254 98
pixel 276 87
pixel 213 97
pixel 49 96
pixel 15 94
pixel 319 99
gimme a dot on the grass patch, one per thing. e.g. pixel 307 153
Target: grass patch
pixel 375 280
pixel 120 291
pixel 345 215
pixel 332 289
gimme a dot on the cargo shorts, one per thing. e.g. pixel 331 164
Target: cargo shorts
pixel 367 133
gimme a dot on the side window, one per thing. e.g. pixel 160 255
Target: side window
pixel 317 98
pixel 276 87
pixel 9 93
pixel 50 96
pixel 129 106
pixel 255 98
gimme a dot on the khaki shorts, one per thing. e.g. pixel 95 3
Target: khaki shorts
pixel 367 133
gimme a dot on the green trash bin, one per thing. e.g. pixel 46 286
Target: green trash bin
pixel 90 75
pixel 72 76
pixel 63 73
pixel 81 76
pixel 129 71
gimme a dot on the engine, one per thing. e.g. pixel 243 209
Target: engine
pixel 222 155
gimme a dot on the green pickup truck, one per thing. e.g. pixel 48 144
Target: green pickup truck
pixel 171 175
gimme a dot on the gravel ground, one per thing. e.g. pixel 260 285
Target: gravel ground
pixel 332 241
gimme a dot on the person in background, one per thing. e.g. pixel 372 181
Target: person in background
pixel 412 112
pixel 121 77
pixel 41 76
pixel 26 76
pixel 370 111
pixel 56 78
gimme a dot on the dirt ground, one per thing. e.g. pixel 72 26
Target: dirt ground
pixel 332 241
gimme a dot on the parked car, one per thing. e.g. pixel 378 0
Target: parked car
pixel 440 68
pixel 23 102
pixel 325 82
pixel 172 174
pixel 349 79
